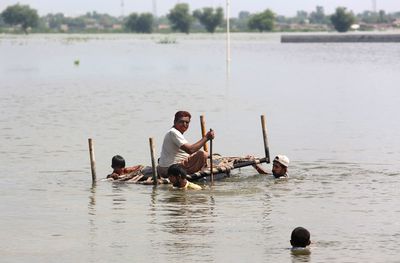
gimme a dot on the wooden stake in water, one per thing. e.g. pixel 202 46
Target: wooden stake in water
pixel 92 160
pixel 228 35
pixel 211 161
pixel 203 131
pixel 153 161
pixel 264 131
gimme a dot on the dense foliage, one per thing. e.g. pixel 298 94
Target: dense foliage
pixel 342 20
pixel 209 17
pixel 262 21
pixel 180 18
pixel 18 18
pixel 142 23
pixel 21 15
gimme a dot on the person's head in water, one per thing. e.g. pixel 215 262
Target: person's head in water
pixel 280 165
pixel 117 163
pixel 300 237
pixel 177 175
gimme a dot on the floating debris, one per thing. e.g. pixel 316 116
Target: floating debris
pixel 167 40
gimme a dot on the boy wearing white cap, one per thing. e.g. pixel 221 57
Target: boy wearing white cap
pixel 279 167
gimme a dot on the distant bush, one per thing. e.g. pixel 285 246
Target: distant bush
pixel 342 20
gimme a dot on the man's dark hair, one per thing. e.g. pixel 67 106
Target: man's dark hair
pixel 300 237
pixel 117 162
pixel 181 114
pixel 177 170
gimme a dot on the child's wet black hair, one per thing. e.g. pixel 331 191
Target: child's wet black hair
pixel 118 162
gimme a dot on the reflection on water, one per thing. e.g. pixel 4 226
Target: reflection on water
pixel 187 218
pixel 300 258
pixel 92 242
pixel 118 197
pixel 185 210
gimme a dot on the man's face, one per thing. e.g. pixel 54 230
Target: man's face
pixel 278 169
pixel 182 124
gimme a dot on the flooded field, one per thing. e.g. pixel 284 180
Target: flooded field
pixel 332 108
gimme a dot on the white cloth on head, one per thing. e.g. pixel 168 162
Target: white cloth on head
pixel 282 159
pixel 171 151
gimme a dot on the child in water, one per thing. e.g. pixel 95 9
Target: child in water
pixel 118 164
pixel 300 239
pixel 177 176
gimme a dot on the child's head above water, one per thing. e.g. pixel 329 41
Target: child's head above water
pixel 300 237
pixel 177 175
pixel 118 162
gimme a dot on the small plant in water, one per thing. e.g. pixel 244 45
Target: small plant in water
pixel 167 40
pixel 76 62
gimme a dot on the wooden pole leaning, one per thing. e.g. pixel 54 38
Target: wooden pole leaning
pixel 203 131
pixel 92 160
pixel 153 161
pixel 217 170
pixel 265 137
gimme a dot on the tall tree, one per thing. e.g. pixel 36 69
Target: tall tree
pixel 20 15
pixel 2 23
pixel 130 22
pixel 144 23
pixel 342 20
pixel 383 17
pixel 55 20
pixel 180 18
pixel 244 14
pixel 318 16
pixel 262 21
pixel 208 18
pixel 301 17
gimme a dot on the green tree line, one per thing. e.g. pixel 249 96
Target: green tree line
pixel 23 18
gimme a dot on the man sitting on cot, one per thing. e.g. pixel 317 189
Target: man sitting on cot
pixel 176 149
pixel 279 167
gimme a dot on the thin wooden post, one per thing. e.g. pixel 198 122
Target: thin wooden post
pixel 228 35
pixel 264 131
pixel 153 161
pixel 203 131
pixel 92 160
pixel 211 161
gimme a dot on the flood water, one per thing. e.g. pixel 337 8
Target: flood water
pixel 331 108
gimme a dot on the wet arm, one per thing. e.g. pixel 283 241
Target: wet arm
pixel 260 169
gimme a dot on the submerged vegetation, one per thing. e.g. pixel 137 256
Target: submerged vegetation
pixel 167 40
pixel 24 19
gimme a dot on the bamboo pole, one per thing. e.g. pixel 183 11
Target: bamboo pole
pixel 216 170
pixel 228 35
pixel 203 131
pixel 153 161
pixel 92 160
pixel 211 160
pixel 264 131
